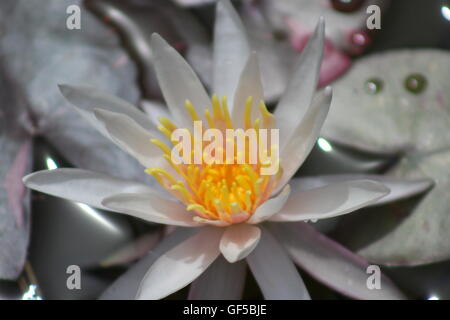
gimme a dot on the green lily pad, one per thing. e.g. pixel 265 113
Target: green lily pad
pixel 400 100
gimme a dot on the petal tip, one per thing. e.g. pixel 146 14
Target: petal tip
pixel 320 30
pixel 26 179
pixel 427 183
pixel 100 114
pixel 65 89
pixel 156 41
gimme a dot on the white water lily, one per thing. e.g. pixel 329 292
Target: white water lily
pixel 246 222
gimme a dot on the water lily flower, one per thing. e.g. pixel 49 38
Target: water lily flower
pixel 231 212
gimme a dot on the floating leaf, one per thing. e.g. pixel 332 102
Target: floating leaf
pixel 411 113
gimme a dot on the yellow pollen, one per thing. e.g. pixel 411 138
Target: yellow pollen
pixel 226 191
pixel 190 108
pixel 167 124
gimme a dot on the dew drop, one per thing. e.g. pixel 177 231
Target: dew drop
pixel 374 85
pixel 415 83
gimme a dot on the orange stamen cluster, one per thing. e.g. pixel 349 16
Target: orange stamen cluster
pixel 225 191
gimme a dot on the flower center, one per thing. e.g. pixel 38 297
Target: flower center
pixel 227 182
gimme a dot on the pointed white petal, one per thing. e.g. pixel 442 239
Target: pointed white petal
pixel 238 241
pixel 127 285
pixel 295 151
pixel 295 101
pixel 221 281
pixel 181 265
pixel 131 137
pixel 330 263
pixel 81 185
pixel 151 207
pixel 231 50
pixel 331 200
pixel 400 188
pixel 86 98
pixel 274 271
pixel 249 85
pixel 270 207
pixel 178 82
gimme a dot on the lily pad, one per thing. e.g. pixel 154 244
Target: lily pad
pixel 400 100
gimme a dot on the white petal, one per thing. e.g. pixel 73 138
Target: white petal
pixel 131 137
pixel 151 207
pixel 178 82
pixel 238 241
pixel 155 110
pixel 81 185
pixel 249 86
pixel 86 98
pixel 270 207
pixel 401 188
pixel 216 223
pixel 295 101
pixel 330 263
pixel 181 265
pixel 231 50
pixel 126 286
pixel 274 271
pixel 221 281
pixel 331 200
pixel 294 153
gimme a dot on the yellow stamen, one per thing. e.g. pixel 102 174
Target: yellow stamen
pixel 165 131
pixel 248 113
pixel 164 148
pixel 209 119
pixel 179 186
pixel 167 123
pixel 225 111
pixel 190 108
pixel 217 112
pixel 219 191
